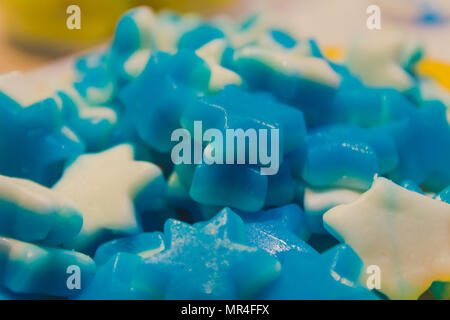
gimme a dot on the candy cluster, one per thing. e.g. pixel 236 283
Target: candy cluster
pixel 92 205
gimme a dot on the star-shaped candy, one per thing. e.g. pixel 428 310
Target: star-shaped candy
pixel 93 123
pixel 404 233
pixel 31 212
pixel 104 186
pixel 28 268
pixel 329 276
pixel 209 260
pixel 212 53
pixel 143 244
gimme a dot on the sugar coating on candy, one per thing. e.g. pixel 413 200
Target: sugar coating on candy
pixel 31 212
pixel 103 187
pixel 394 228
pixel 28 268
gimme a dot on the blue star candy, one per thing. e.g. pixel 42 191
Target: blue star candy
pixel 199 36
pixel 306 82
pixel 35 139
pixel 207 260
pixel 329 276
pixel 424 162
pixel 241 187
pixel 343 156
pixel 233 108
pixel 143 244
pixel 94 124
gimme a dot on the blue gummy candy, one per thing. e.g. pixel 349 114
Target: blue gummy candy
pixel 332 275
pixel 27 268
pixel 157 98
pixel 278 230
pixel 331 157
pixel 199 36
pixel 143 244
pixel 208 260
pixel 424 162
pixel 236 186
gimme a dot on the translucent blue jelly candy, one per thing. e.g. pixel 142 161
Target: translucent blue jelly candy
pixel 143 244
pixel 278 230
pixel 28 268
pixel 424 162
pixel 178 197
pixel 157 98
pixel 411 186
pixel 242 110
pixel 110 182
pixel 35 140
pixel 237 186
pixel 308 83
pixel 342 156
pixel 281 187
pixel 132 43
pixel 444 195
pixel 93 124
pixel 208 260
pixel 199 36
pixel 329 276
pixel 97 86
pixel 31 212
pixel 283 38
pixel 367 107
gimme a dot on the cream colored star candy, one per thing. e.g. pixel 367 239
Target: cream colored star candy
pixel 105 187
pixel 404 233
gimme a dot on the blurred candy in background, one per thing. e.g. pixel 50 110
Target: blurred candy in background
pixel 33 33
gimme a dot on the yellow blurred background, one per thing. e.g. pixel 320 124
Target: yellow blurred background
pixel 33 32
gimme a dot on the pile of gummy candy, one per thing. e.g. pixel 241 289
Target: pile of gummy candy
pixel 93 207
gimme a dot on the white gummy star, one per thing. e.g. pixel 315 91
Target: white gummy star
pixel 212 53
pixel 103 187
pixel 404 233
